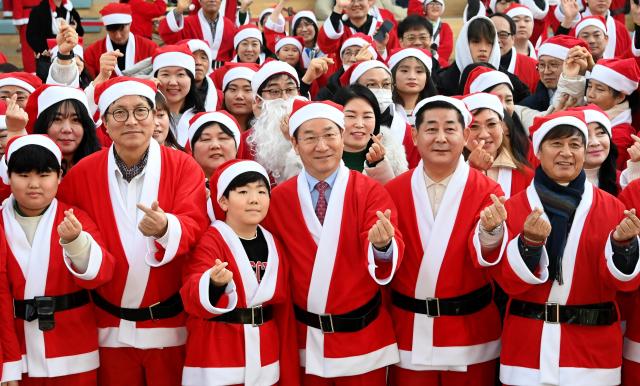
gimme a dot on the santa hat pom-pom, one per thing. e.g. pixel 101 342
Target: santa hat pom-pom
pixel 192 7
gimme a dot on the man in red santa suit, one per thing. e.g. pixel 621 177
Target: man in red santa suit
pixel 20 84
pixel 568 14
pixel 117 20
pixel 452 337
pixel 52 260
pixel 571 247
pixel 593 31
pixel 241 326
pixel 21 9
pixel 208 24
pixel 149 204
pixel 336 29
pixel 343 244
pixel 523 18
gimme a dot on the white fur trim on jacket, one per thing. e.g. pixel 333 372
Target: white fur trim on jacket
pixel 395 159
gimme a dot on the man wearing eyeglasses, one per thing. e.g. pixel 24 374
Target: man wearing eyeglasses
pixel 518 64
pixel 149 204
pixel 341 236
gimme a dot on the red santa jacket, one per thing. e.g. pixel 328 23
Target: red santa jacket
pixel 514 181
pixel 146 273
pixel 10 353
pixel 621 131
pixel 438 254
pixel 335 271
pixel 138 48
pixel 197 27
pixel 220 352
pixel 535 352
pixel 525 68
pixel 330 40
pixel 143 12
pixel 22 10
pixel 42 269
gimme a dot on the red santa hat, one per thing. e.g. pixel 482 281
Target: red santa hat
pixel 591 21
pixel 232 71
pixel 221 117
pixel 483 100
pixel 198 45
pixel 427 2
pixel 78 50
pixel 359 40
pixel 481 79
pixel 296 41
pixel 24 80
pixel 303 111
pixel 17 143
pixel 115 88
pixel 456 103
pixel 516 9
pixel 619 74
pixel 558 46
pixel 116 13
pixel 225 174
pixel 48 95
pixel 174 56
pixel 594 114
pixel 3 115
pixel 423 56
pixel 271 68
pixel 306 14
pixel 356 70
pixel 245 32
pixel 544 125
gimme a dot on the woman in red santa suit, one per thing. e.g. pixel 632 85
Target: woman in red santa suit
pixel 571 248
pixel 234 80
pixel 487 147
pixel 149 204
pixel 204 83
pixel 248 45
pixel 241 326
pixel 53 257
pixel 175 68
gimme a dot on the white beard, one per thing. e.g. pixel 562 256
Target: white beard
pixel 272 149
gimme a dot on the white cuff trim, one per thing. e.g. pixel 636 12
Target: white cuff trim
pixel 170 241
pixel 608 254
pixel 11 371
pixel 95 261
pixel 518 266
pixel 372 263
pixel 275 27
pixel 330 32
pixel 203 290
pixel 478 247
pixel 173 24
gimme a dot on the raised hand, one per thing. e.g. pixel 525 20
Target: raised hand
pixel 634 150
pixel 536 228
pixel 16 118
pixel 155 222
pixel 479 158
pixel 108 63
pixel 341 5
pixel 382 231
pixel 66 39
pixel 220 275
pixel 376 150
pixel 182 5
pixel 628 228
pixel 364 54
pixel 570 9
pixel 317 68
pixel 493 215
pixel 245 4
pixel 70 228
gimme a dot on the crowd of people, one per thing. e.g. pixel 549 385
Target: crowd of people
pixel 164 207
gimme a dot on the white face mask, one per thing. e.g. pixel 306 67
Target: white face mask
pixel 384 97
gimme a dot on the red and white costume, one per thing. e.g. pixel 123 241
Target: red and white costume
pixel 525 68
pixel 9 347
pixel 197 27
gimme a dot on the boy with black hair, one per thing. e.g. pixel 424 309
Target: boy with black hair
pixel 241 327
pixel 50 269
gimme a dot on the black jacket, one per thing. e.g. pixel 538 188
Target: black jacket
pixel 539 100
pixel 39 26
pixel 447 80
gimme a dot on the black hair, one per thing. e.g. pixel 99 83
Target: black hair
pixel 608 173
pixel 414 22
pixel 8 67
pixel 245 179
pixel 512 24
pixel 437 105
pixel 315 28
pixel 518 139
pixel 563 131
pixel 193 99
pixel 481 29
pixel 264 17
pixel 89 143
pixel 115 27
pixel 33 158
pixel 356 91
pixel 198 133
pixel 429 89
pixel 272 77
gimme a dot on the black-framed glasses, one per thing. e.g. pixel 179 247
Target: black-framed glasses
pixel 503 35
pixel 122 115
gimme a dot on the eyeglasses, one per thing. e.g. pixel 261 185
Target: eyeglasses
pixel 503 35
pixel 413 38
pixel 277 93
pixel 122 115
pixel 553 67
pixel 314 140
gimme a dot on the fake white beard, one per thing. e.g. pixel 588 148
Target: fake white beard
pixel 271 147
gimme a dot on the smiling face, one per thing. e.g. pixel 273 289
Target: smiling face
pixel 358 10
pixel 598 148
pixel 319 144
pixel 562 158
pixel 247 205
pixel 289 54
pixel 487 127
pixel 162 126
pixel 213 148
pixel 131 134
pixel 439 138
pixel 174 84
pixel 248 50
pixel 66 130
pixel 306 30
pixel 359 123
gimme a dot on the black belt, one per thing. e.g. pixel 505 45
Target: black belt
pixel 433 307
pixel 352 321
pixel 43 307
pixel 601 314
pixel 161 310
pixel 255 316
